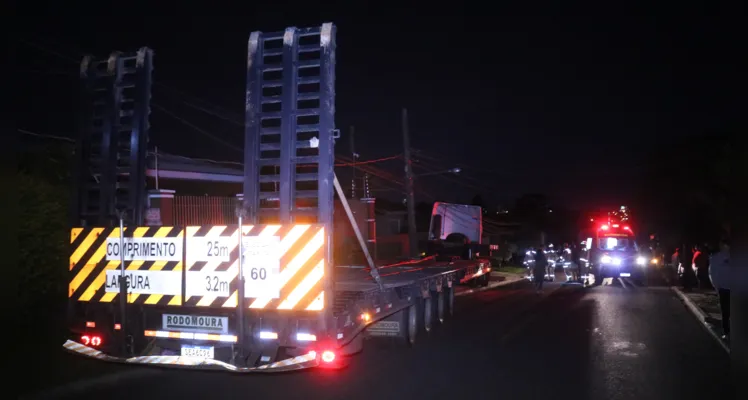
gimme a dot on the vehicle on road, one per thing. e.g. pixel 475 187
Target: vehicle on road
pixel 613 252
pixel 263 294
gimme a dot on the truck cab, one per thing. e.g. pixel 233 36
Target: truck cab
pixel 457 230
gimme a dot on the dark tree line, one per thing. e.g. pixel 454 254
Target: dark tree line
pixel 43 231
pixel 684 191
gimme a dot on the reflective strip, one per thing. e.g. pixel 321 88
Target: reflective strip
pixel 191 336
pixel 308 360
pixel 306 337
pixel 299 284
pixel 89 265
pixel 82 248
pixel 309 249
pixel 318 303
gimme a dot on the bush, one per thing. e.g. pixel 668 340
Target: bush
pixel 43 245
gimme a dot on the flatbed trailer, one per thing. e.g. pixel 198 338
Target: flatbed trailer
pixel 263 295
pixel 412 298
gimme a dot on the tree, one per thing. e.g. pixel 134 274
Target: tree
pixel 685 188
pixel 532 212
pixel 43 233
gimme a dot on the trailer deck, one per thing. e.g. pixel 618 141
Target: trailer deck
pixel 359 278
pixel 402 284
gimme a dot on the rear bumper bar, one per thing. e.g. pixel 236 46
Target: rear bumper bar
pixel 310 360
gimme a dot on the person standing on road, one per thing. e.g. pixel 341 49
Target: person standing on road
pixel 719 274
pixel 539 269
pixel 688 277
pixel 700 265
pixel 576 261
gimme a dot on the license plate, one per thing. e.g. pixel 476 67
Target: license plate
pixel 625 274
pixel 197 351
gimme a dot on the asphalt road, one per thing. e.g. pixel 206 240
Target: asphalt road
pixel 617 341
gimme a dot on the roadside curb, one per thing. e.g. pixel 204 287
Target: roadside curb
pixel 490 286
pixel 700 315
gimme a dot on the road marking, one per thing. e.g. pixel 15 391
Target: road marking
pixel 86 385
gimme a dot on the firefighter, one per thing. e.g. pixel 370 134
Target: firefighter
pixel 539 268
pixel 575 265
pixel 529 263
pixel 551 258
pixel 568 263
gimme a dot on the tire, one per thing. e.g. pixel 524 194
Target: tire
pixel 485 280
pixel 449 301
pixel 411 325
pixel 440 307
pixel 428 308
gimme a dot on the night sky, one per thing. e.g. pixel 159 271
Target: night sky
pixel 567 105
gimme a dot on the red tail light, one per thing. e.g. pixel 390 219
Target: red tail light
pixel 94 341
pixel 328 356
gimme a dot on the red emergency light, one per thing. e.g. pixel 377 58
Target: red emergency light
pixel 626 228
pixel 604 227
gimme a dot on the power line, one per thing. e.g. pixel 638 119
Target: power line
pixel 208 160
pixel 25 132
pixel 351 164
pixel 197 128
pixel 232 119
pixel 52 52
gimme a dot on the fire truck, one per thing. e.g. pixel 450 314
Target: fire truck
pixel 263 294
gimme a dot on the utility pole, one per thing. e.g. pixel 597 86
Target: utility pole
pixel 354 157
pixel 411 202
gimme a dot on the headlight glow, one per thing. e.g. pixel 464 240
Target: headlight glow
pixel 606 259
pixel 641 261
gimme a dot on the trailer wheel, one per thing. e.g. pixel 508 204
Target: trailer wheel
pixel 411 328
pixel 440 307
pixel 427 313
